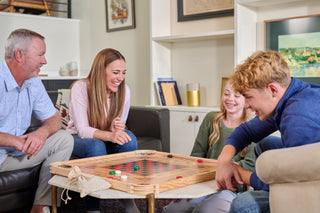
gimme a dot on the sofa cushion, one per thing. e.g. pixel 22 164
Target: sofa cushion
pixel 15 180
pixel 62 104
pixel 17 188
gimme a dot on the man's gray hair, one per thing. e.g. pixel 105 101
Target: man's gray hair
pixel 19 39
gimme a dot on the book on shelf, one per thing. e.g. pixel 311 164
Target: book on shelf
pixel 159 97
pixel 169 93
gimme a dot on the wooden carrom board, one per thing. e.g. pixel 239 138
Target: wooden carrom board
pixel 158 171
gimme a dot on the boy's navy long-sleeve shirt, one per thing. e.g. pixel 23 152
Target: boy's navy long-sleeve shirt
pixel 296 117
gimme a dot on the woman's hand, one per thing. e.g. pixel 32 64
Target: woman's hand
pixel 117 124
pixel 120 137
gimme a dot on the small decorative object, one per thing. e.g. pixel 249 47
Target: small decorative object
pixel 298 40
pixel 192 10
pixel 168 93
pixel 64 71
pixel 73 68
pixel 120 15
pixel 193 94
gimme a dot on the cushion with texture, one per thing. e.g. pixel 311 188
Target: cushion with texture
pixel 62 106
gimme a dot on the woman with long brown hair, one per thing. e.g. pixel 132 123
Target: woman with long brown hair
pixel 98 110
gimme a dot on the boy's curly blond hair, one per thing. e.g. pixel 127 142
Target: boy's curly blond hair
pixel 260 69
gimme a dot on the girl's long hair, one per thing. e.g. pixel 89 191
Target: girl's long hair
pixel 97 91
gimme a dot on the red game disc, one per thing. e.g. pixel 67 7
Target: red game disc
pixel 200 160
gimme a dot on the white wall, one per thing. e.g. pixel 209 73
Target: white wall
pixel 81 40
pixel 204 62
pixel 61 36
pixel 132 43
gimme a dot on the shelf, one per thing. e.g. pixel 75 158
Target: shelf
pixel 262 3
pixel 195 37
pixel 187 108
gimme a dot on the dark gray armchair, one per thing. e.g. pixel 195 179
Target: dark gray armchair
pixel 151 126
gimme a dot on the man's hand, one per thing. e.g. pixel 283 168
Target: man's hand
pixel 34 142
pixel 244 174
pixel 227 176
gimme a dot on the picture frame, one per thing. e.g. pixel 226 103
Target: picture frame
pixel 194 10
pixel 120 15
pixel 298 40
pixel 224 81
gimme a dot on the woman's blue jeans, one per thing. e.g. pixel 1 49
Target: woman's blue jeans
pixel 256 201
pixel 91 147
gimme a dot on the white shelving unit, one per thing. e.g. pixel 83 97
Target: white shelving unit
pixel 203 55
pixel 195 37
pixel 207 56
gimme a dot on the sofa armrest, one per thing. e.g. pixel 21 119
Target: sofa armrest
pixel 150 122
pixel 287 165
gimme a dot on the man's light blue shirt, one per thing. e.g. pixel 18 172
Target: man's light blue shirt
pixel 18 104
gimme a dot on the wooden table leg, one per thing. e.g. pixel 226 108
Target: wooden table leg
pixel 54 199
pixel 151 203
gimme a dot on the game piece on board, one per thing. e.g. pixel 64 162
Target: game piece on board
pixel 200 161
pixel 112 172
pixel 110 177
pixel 124 177
pixel 136 168
pixel 178 177
pixel 170 156
pixel 118 172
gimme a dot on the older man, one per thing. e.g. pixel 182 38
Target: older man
pixel 21 95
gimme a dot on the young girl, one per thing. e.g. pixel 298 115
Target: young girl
pixel 212 134
pixel 98 110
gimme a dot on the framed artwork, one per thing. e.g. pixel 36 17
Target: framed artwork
pixel 192 10
pixel 298 40
pixel 224 81
pixel 120 15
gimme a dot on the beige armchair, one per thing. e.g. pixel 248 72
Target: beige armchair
pixel 294 178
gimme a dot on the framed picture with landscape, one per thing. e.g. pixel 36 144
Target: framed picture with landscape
pixel 120 15
pixel 192 10
pixel 298 40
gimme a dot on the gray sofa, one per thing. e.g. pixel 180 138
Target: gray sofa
pixel 150 125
